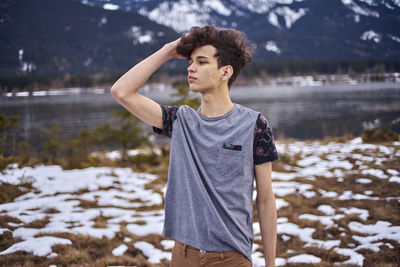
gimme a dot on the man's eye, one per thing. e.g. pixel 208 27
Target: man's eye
pixel 203 62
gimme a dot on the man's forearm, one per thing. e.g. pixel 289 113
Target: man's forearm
pixel 267 219
pixel 137 76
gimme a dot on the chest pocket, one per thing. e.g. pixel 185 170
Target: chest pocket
pixel 230 163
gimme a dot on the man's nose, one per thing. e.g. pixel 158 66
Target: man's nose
pixel 191 68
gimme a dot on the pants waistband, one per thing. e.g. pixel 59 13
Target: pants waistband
pixel 185 248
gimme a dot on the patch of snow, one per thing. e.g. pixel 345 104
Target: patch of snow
pixel 120 250
pixel 325 220
pixel 181 15
pixel 40 246
pixel 327 194
pixel 273 19
pixel 262 6
pixel 290 16
pixel 363 181
pixel 327 209
pixel 359 10
pixel 272 47
pixel 281 203
pixel 355 258
pixel 110 6
pixel 285 238
pixel 168 244
pixel 87 3
pixel 153 225
pixel 304 258
pixel 146 38
pixel 394 38
pixel 394 179
pixel 279 262
pixel 217 6
pixel 371 35
pixel 363 214
pixel 379 230
pixel 154 254
pixel 375 172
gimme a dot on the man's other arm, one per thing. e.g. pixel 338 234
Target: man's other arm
pixel 125 90
pixel 266 209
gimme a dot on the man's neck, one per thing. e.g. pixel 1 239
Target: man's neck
pixel 215 103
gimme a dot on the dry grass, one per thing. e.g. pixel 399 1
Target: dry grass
pixel 38 223
pixel 101 221
pixel 90 251
pixel 9 192
pixel 5 219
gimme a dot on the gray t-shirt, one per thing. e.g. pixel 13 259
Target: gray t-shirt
pixel 209 196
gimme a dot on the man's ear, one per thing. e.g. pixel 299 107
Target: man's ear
pixel 227 72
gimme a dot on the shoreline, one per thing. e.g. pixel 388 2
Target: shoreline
pixel 289 81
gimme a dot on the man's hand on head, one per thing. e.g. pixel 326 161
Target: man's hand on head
pixel 172 49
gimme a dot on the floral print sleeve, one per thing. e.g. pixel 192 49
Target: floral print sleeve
pixel 264 149
pixel 169 116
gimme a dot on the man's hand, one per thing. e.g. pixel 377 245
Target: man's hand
pixel 171 49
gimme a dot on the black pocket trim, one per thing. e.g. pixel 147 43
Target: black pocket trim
pixel 232 147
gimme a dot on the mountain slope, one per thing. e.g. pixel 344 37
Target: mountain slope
pixel 58 36
pixel 51 37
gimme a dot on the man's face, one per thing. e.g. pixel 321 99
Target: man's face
pixel 203 72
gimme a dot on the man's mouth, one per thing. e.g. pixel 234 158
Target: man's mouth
pixel 191 78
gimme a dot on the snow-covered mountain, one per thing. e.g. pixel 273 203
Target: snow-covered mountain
pixel 58 36
pixel 286 28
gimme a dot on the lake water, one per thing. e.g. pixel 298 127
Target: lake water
pixel 294 112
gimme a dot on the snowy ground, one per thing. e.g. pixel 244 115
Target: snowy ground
pixel 327 198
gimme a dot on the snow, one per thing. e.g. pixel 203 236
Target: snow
pixel 20 54
pixel 181 15
pixel 359 10
pixel 355 258
pixel 217 6
pixel 40 246
pixel 363 214
pixel 325 220
pixel 363 180
pixel 304 258
pixel 375 172
pixel 120 250
pixel 371 35
pixel 168 244
pixel 262 6
pixel 110 6
pixel 271 46
pixel 395 179
pixel 273 19
pixel 153 225
pixel 118 192
pixel 327 209
pixel 154 255
pixel 290 15
pixel 395 38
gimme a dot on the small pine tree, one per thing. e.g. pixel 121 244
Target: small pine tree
pixel 54 144
pixel 124 133
pixel 184 97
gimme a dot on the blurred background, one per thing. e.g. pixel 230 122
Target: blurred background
pixel 82 181
pixel 320 68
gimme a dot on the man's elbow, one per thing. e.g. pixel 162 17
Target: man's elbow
pixel 116 92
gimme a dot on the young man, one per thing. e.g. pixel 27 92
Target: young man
pixel 215 153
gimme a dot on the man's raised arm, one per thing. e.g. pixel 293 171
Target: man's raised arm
pixel 125 90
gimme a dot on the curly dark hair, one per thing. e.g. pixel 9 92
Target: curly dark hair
pixel 232 46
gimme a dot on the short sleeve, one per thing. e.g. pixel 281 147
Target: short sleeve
pixel 168 117
pixel 264 149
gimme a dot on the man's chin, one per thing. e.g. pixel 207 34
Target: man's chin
pixel 194 89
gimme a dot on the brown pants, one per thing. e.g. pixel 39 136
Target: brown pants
pixel 187 256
